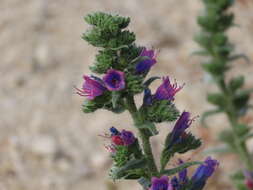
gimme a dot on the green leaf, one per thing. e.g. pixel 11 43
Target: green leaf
pixel 217 99
pixel 240 56
pixel 174 171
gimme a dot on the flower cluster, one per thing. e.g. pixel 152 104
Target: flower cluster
pixel 124 67
pixel 196 182
pixel 124 137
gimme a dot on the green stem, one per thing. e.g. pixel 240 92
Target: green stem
pixel 143 133
pixel 233 120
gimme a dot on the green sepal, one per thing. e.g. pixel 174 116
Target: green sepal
pixel 103 39
pixel 98 102
pixel 90 106
pixel 107 22
pixel 121 156
pixel 178 169
pixel 133 169
pixel 160 111
pixel 104 61
pixel 134 84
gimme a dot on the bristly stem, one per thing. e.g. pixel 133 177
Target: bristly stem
pixel 233 120
pixel 143 133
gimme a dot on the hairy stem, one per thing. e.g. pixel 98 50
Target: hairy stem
pixel 143 133
pixel 233 120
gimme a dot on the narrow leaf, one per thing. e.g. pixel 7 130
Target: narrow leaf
pixel 150 80
pixel 180 168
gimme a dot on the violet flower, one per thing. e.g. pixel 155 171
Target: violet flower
pixel 145 65
pixel 148 97
pixel 167 91
pixel 248 179
pixel 114 80
pixel 124 138
pixel 203 172
pixel 178 182
pixel 161 183
pixel 92 87
pixel 127 137
pixel 178 131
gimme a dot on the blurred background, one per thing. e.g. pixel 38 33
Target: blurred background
pixel 46 142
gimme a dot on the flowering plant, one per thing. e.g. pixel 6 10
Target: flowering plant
pixel 231 99
pixel 124 67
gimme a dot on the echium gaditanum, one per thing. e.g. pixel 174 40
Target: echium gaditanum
pixel 231 98
pixel 121 68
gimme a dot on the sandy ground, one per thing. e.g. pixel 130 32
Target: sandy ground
pixel 46 142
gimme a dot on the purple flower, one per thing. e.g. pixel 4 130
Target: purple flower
pixel 167 91
pixel 182 174
pixel 182 179
pixel 145 65
pixel 127 137
pixel 203 172
pixel 114 80
pixel 178 131
pixel 124 137
pixel 92 87
pixel 148 97
pixel 161 183
pixel 248 179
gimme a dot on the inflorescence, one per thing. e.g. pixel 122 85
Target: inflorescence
pixel 121 68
